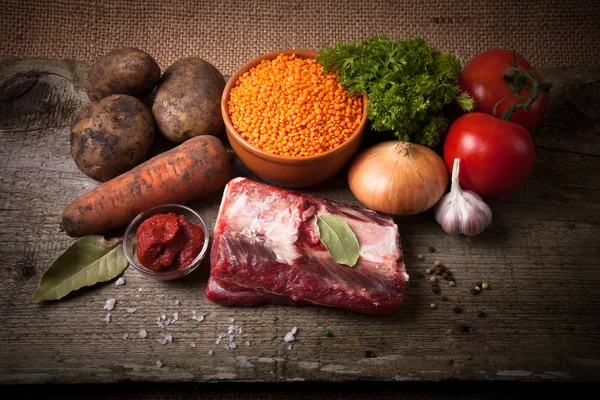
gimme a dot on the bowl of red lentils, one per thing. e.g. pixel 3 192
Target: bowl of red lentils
pixel 289 121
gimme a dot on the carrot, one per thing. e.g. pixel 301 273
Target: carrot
pixel 195 168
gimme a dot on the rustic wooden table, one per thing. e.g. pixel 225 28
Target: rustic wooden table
pixel 540 255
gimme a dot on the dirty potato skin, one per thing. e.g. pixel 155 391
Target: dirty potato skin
pixel 111 136
pixel 127 71
pixel 187 102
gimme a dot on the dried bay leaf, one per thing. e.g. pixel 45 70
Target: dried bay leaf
pixel 339 239
pixel 90 260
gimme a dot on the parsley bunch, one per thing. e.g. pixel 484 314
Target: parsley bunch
pixel 408 83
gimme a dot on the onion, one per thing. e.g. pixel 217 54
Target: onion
pixel 399 178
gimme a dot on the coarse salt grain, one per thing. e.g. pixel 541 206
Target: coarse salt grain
pixel 142 333
pixel 290 347
pixel 125 336
pixel 231 320
pixel 162 321
pixel 107 318
pixel 139 289
pixel 247 343
pixel 120 282
pixel 177 302
pixel 232 345
pixel 131 310
pixel 210 352
pixel 159 364
pixel 193 345
pixel 289 337
pixel 110 304
pixel 236 329
pixel 294 330
pixel 166 339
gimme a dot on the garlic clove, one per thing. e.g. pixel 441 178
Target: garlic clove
pixel 475 199
pixel 447 216
pixel 473 220
pixel 482 210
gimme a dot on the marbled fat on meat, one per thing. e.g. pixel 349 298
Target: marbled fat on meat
pixel 267 250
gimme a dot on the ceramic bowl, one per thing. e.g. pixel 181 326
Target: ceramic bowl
pixel 130 241
pixel 289 171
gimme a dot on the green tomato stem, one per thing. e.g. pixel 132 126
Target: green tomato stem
pixel 518 80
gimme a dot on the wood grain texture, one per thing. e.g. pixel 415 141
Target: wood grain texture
pixel 540 255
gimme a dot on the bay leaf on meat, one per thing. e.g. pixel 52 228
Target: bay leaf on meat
pixel 339 239
pixel 90 260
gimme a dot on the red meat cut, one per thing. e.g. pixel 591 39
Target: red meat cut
pixel 267 250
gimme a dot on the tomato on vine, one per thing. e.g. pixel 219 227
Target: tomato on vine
pixel 505 85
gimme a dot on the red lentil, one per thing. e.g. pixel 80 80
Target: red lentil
pixel 290 107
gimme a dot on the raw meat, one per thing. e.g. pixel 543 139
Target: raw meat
pixel 246 297
pixel 266 249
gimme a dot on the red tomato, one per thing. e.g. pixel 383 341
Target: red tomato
pixel 496 156
pixel 483 79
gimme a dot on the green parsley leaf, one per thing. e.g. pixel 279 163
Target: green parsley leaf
pixel 408 83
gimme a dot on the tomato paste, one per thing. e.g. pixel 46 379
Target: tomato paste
pixel 168 242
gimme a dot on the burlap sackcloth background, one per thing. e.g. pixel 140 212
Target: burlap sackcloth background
pixel 228 33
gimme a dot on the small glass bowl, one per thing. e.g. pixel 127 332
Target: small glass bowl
pixel 130 241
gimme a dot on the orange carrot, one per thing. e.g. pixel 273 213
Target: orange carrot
pixel 193 169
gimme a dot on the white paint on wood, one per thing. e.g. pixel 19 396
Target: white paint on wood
pixel 341 369
pixel 308 364
pixel 515 373
pixel 221 376
pixel 407 378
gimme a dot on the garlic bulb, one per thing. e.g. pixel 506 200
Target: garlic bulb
pixel 462 211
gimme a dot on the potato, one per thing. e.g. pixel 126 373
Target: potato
pixel 124 71
pixel 188 100
pixel 111 136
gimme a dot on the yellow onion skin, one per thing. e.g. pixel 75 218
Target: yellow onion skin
pixel 398 178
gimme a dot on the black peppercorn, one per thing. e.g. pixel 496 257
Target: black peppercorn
pixel 457 309
pixel 480 314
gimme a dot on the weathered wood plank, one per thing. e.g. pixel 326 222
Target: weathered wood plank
pixel 540 256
